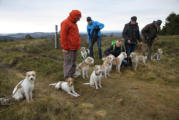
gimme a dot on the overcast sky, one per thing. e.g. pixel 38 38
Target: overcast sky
pixel 42 15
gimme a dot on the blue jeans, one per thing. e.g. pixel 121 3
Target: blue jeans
pixel 130 48
pixel 99 47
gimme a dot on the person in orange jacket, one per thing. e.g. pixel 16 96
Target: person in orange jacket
pixel 70 42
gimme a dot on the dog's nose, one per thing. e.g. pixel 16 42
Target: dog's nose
pixel 31 78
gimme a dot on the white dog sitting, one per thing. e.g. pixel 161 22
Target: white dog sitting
pixel 119 59
pixel 83 68
pixel 158 54
pixel 95 78
pixel 137 59
pixel 107 65
pixel 66 86
pixel 25 87
pixel 84 52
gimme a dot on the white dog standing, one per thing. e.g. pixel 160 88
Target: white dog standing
pixel 25 87
pixel 95 78
pixel 66 86
pixel 84 52
pixel 83 68
pixel 119 60
pixel 137 59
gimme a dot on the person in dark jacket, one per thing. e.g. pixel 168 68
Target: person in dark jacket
pixel 149 33
pixel 131 35
pixel 116 50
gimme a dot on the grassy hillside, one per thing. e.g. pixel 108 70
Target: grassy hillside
pixel 151 93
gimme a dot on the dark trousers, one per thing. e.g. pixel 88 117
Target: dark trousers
pixel 99 47
pixel 130 48
pixel 69 63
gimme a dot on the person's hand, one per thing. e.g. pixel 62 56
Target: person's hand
pixel 65 51
pixel 156 38
pixel 115 59
pixel 129 41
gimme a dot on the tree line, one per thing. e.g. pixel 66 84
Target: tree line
pixel 171 26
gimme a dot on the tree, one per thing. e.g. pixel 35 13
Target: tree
pixel 28 36
pixel 171 26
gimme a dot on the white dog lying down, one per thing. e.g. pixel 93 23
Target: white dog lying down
pixel 84 52
pixel 137 59
pixel 83 68
pixel 158 54
pixel 66 86
pixel 119 59
pixel 25 87
pixel 95 78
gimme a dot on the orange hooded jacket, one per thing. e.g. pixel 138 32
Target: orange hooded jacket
pixel 69 34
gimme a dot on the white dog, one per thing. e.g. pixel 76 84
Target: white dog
pixel 66 86
pixel 119 60
pixel 84 52
pixel 107 65
pixel 137 59
pixel 95 78
pixel 158 54
pixel 25 87
pixel 83 68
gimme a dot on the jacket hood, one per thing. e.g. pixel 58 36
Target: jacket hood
pixel 74 14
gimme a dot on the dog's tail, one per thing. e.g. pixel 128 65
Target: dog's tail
pixel 86 83
pixel 53 84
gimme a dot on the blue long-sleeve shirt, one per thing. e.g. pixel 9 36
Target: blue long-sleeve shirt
pixel 95 24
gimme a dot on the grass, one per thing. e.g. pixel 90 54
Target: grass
pixel 150 93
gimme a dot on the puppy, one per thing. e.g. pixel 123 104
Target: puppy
pixel 84 52
pixel 95 78
pixel 137 60
pixel 119 60
pixel 25 87
pixel 158 54
pixel 66 86
pixel 83 68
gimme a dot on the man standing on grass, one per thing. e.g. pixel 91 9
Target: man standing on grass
pixel 70 42
pixel 94 35
pixel 149 33
pixel 131 35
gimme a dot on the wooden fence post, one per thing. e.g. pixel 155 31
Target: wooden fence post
pixel 56 37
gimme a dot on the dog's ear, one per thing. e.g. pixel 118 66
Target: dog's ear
pixel 27 73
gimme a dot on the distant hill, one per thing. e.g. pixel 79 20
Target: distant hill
pixel 21 36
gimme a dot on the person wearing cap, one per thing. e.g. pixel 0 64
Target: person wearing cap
pixel 94 35
pixel 116 50
pixel 131 36
pixel 149 33
pixel 70 42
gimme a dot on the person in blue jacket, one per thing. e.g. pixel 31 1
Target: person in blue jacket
pixel 94 35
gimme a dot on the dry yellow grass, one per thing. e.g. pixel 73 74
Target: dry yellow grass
pixel 151 93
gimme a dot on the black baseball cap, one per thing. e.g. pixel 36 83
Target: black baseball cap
pixel 89 19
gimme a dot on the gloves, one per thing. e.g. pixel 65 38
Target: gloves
pixel 97 28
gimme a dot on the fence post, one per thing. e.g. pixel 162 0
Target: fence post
pixel 56 37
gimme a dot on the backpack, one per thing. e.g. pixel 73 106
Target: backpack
pixel 114 45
